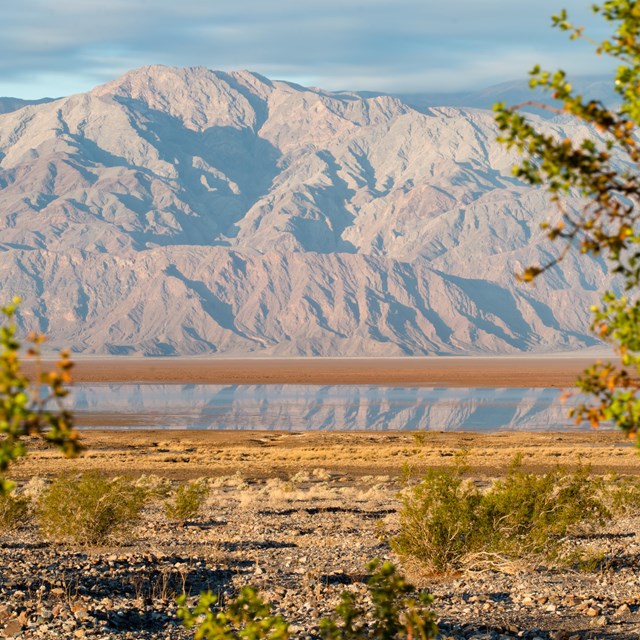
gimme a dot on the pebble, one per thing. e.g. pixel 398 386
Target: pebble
pixel 12 628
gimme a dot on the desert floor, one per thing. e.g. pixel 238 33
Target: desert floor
pixel 299 514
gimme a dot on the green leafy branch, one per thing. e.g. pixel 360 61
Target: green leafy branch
pixel 396 611
pixel 31 407
pixel 603 170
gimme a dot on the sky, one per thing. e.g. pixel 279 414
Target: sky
pixel 58 47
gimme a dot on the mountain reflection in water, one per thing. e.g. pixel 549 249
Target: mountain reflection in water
pixel 313 407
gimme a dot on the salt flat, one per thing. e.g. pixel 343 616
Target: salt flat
pixel 513 371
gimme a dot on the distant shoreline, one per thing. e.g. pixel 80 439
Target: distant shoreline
pixel 508 371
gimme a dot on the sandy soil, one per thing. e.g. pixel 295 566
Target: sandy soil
pixel 552 371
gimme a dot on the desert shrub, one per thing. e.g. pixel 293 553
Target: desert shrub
pixel 187 500
pixel 154 486
pixel 531 513
pixel 90 509
pixel 445 521
pixel 624 495
pixel 14 510
pixel 438 519
pixel 395 612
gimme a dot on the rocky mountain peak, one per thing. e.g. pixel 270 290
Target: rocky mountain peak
pixel 180 211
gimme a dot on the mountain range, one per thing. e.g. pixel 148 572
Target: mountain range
pixel 189 211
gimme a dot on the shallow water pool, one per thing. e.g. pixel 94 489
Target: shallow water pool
pixel 312 407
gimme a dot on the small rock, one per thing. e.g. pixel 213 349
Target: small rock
pixel 12 628
pixel 592 612
pixel 623 610
pixel 601 621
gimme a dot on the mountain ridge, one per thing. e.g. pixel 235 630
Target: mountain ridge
pixel 189 211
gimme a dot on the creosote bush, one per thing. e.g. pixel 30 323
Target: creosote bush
pixel 14 510
pixel 395 611
pixel 90 509
pixel 187 500
pixel 624 495
pixel 447 521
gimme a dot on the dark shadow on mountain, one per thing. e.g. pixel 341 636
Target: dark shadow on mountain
pixel 412 287
pixel 222 170
pixel 218 310
pixel 324 234
pixel 544 312
pixel 492 299
pixel 94 155
pixel 259 106
pixel 5 246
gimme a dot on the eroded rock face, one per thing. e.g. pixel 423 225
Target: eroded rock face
pixel 188 211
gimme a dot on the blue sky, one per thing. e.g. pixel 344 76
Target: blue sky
pixel 58 47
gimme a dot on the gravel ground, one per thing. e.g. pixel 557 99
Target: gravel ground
pixel 301 542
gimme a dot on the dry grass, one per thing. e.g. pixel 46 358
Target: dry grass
pixel 183 455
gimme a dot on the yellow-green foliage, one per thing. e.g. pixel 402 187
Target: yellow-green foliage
pixel 445 519
pixel 14 510
pixel 624 495
pixel 394 610
pixel 29 407
pixel 605 173
pixel 90 509
pixel 247 617
pixel 187 500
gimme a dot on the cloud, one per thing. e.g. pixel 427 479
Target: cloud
pixel 55 47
